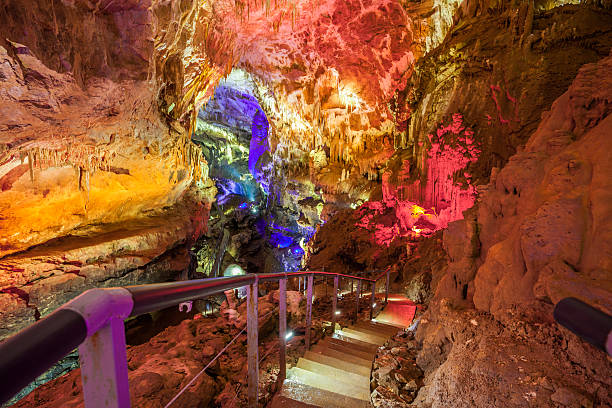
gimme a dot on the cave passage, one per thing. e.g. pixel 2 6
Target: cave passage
pixel 232 130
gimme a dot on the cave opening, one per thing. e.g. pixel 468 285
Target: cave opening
pixel 250 216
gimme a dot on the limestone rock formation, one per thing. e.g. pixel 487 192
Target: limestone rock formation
pixel 539 224
pixel 463 145
pixel 95 187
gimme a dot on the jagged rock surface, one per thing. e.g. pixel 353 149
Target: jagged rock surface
pixel 540 222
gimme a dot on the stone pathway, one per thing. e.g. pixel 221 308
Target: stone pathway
pixel 335 373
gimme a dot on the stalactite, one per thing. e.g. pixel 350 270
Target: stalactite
pixel 31 166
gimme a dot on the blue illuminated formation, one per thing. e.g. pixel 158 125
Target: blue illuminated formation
pixel 246 184
pixel 280 240
pixel 241 113
pixel 259 145
pixel 228 188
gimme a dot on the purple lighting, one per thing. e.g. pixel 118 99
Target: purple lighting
pixel 259 145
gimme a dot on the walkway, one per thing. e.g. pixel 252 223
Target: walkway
pixel 399 311
pixel 336 372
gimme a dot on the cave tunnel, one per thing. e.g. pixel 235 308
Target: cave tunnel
pixel 422 187
pixel 232 130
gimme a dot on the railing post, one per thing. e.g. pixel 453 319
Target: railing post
pixel 358 295
pixel 387 287
pixel 309 310
pixel 104 371
pixel 334 303
pixel 372 300
pixel 282 330
pixel 325 277
pixel 252 345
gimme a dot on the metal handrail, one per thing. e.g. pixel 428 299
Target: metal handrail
pixel 93 322
pixel 589 323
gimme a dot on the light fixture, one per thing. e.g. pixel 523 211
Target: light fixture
pixel 337 312
pixel 374 305
pixel 288 335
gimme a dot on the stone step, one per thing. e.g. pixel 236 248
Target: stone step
pixel 358 344
pixel 344 376
pixel 378 325
pixel 315 397
pixel 347 349
pixel 371 331
pixel 359 335
pixel 328 383
pixel 322 349
pixel 338 363
pixel 346 342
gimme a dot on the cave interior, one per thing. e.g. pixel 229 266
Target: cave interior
pixel 458 148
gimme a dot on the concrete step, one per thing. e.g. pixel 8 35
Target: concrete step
pixel 315 397
pixel 322 349
pixel 373 330
pixel 368 338
pixel 346 341
pixel 341 375
pixel 347 349
pixel 360 345
pixel 327 383
pixel 280 401
pixel 338 363
pixel 384 328
pixel 370 331
pixel 388 318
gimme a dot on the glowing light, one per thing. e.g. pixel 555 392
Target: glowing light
pixel 288 335
pixel 441 198
pixel 374 305
pixel 337 312
pixel 243 206
pixel 234 270
pixel 417 211
pixel 349 98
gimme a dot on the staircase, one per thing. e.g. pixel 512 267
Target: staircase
pixel 335 373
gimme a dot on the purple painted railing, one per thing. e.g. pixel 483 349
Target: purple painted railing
pixel 93 322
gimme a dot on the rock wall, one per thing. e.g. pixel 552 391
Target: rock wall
pixel 540 233
pixel 545 222
pixel 500 66
pixel 97 187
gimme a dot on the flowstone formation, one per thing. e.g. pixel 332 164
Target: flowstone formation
pixel 90 197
